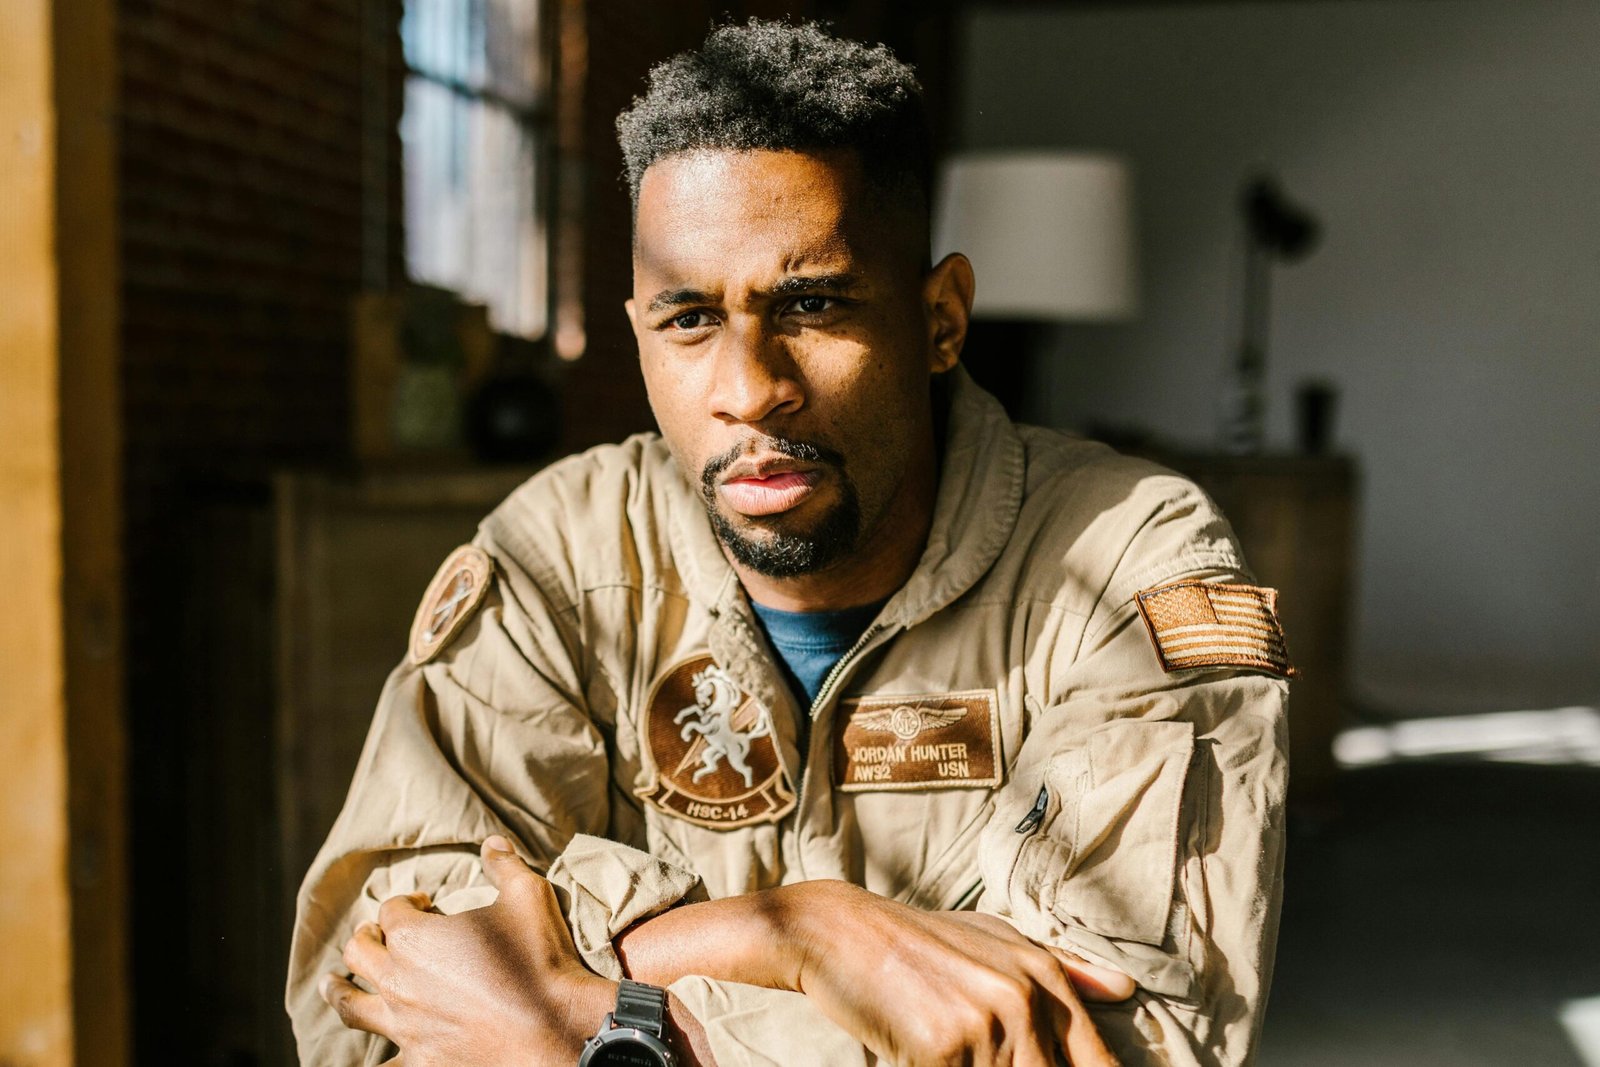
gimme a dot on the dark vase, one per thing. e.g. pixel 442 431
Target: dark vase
pixel 513 417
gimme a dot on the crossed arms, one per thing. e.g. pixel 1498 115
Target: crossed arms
pixel 861 971
pixel 504 984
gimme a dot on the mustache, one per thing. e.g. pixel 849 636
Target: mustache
pixel 805 451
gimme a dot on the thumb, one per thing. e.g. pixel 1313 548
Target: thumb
pixel 502 866
pixel 1094 983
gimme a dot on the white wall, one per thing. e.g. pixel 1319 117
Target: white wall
pixel 1452 150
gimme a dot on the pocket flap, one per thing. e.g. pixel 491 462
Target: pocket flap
pixel 1118 828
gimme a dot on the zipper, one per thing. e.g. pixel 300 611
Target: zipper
pixel 1025 834
pixel 968 899
pixel 828 680
pixel 824 694
pixel 1030 822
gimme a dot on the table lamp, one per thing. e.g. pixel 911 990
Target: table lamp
pixel 1051 238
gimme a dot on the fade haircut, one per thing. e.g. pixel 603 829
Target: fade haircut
pixel 773 85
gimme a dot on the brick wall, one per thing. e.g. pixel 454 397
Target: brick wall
pixel 242 208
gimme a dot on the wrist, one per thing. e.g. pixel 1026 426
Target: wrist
pixel 804 921
pixel 686 1036
pixel 751 938
pixel 638 1029
pixel 589 1001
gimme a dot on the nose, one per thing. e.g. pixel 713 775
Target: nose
pixel 755 377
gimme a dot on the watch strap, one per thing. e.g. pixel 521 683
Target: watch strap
pixel 641 1007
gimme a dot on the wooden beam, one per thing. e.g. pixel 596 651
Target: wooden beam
pixel 91 534
pixel 63 988
pixel 35 984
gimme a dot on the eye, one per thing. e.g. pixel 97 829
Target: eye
pixel 689 320
pixel 813 305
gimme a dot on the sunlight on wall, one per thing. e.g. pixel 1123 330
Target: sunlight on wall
pixel 1562 735
pixel 1582 1021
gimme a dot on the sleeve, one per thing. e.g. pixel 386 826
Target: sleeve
pixel 751 1026
pixel 490 736
pixel 1141 825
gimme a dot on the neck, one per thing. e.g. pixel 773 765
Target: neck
pixel 888 555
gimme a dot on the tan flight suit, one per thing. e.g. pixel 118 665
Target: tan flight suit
pixel 573 711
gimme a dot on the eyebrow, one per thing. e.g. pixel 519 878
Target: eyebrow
pixel 823 283
pixel 794 283
pixel 671 298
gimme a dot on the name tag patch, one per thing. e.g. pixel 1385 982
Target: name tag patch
pixel 923 741
pixel 716 763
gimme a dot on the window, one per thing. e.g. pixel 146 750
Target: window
pixel 475 136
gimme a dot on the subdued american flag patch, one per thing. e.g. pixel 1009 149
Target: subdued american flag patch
pixel 1211 624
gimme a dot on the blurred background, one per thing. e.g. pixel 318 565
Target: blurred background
pixel 293 292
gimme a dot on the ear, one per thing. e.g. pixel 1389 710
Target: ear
pixel 947 296
pixel 633 314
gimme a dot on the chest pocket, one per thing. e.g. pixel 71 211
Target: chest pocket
pixel 1104 856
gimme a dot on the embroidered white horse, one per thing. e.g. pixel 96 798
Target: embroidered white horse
pixel 716 699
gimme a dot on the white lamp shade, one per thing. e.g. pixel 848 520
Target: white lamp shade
pixel 1050 234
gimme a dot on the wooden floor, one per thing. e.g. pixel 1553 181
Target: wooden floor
pixel 1445 919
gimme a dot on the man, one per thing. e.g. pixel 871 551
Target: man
pixel 870 725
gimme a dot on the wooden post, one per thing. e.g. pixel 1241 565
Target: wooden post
pixel 35 984
pixel 64 987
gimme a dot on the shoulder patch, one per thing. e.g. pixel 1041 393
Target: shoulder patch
pixel 716 763
pixel 451 598
pixel 1211 624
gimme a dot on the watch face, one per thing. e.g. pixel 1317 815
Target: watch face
pixel 626 1047
pixel 627 1054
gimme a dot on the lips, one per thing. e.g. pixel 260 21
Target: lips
pixel 768 491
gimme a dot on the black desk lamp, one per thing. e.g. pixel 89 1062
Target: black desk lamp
pixel 1275 229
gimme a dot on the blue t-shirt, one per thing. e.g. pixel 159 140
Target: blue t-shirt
pixel 809 643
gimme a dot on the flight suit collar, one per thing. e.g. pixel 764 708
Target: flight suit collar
pixel 980 494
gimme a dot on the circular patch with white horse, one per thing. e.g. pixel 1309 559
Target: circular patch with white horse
pixel 715 756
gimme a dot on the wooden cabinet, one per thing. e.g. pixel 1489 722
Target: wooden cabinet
pixel 299 597
pixel 352 558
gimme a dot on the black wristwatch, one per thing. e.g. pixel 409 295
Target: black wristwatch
pixel 635 1034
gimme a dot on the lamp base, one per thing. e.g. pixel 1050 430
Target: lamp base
pixel 1000 355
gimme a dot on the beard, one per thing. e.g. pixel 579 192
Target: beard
pixel 776 552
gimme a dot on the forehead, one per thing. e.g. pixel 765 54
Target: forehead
pixel 707 209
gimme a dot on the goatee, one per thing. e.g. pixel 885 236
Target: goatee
pixel 776 552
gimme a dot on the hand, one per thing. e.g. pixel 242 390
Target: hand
pixel 497 985
pixel 921 987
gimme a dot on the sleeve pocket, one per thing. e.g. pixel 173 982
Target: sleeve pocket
pixel 1105 856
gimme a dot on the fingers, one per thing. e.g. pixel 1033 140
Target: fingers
pixel 357 1009
pixel 1094 983
pixel 1080 1040
pixel 1036 1047
pixel 397 910
pixel 364 953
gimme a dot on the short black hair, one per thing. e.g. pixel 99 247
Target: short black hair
pixel 781 86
